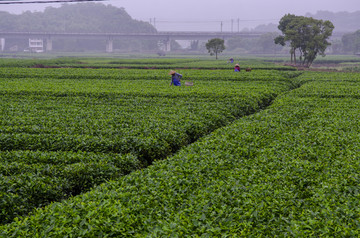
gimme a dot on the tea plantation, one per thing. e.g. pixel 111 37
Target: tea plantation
pixel 119 153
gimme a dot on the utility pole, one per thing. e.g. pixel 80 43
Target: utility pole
pixel 238 25
pixel 221 25
pixel 232 23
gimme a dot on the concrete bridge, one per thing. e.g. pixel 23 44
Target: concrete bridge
pixel 166 37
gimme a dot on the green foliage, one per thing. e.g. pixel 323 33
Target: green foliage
pixel 305 34
pixel 64 131
pixel 7 21
pixel 264 44
pixel 79 18
pixel 31 179
pixel 288 171
pixel 343 21
pixel 151 63
pixel 84 17
pixel 351 42
pixel 215 46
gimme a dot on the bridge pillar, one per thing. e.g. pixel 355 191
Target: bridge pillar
pixel 48 44
pixel 2 44
pixel 109 45
pixel 167 45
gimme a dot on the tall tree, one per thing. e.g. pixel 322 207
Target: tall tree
pixel 307 35
pixel 286 26
pixel 215 46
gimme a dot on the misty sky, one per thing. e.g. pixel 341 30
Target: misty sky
pixel 207 15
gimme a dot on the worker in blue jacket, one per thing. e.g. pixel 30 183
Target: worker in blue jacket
pixel 175 78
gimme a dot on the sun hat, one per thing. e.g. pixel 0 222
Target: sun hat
pixel 172 72
pixel 237 65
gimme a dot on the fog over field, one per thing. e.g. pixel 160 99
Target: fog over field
pixel 201 15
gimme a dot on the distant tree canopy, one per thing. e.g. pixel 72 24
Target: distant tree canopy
pixel 351 42
pixel 261 45
pixel 80 18
pixel 307 35
pixel 7 21
pixel 343 21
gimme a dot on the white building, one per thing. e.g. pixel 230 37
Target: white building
pixel 36 45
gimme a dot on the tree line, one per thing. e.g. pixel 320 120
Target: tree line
pixel 305 35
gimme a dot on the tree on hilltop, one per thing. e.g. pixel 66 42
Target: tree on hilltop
pixel 80 18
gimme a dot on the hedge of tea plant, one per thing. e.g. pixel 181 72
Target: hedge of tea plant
pixel 143 74
pixel 31 179
pixel 288 171
pixel 63 131
pixel 150 63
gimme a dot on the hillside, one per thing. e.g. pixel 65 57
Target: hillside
pixel 89 17
pixel 75 18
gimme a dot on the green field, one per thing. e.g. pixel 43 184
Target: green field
pixel 110 150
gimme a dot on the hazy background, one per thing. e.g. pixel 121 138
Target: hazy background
pixel 205 15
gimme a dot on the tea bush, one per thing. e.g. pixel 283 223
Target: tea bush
pixel 290 171
pixel 64 131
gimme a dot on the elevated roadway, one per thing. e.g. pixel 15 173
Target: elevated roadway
pixel 166 37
